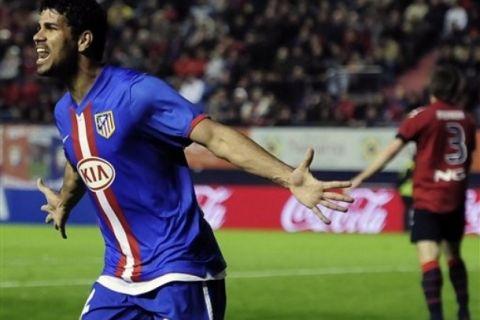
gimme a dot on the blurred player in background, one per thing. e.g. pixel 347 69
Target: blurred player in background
pixel 124 135
pixel 445 138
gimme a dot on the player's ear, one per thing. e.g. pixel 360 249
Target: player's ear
pixel 85 40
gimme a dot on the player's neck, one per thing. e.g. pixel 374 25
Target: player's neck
pixel 80 83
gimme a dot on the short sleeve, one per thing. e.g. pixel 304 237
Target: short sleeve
pixel 412 125
pixel 161 112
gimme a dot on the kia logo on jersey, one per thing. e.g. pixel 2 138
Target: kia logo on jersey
pixel 98 174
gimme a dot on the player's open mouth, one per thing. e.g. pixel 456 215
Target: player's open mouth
pixel 42 54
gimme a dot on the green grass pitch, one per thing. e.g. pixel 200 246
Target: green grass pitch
pixel 271 275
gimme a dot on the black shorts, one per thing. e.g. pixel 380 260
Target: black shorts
pixel 438 226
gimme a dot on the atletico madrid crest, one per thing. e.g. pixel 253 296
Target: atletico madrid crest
pixel 105 124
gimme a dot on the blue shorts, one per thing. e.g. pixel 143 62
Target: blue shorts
pixel 202 300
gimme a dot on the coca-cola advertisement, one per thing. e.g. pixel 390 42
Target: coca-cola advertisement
pixel 268 207
pixel 473 212
pixel 374 210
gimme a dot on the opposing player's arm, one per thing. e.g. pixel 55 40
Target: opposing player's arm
pixel 383 158
pixel 238 149
pixel 59 204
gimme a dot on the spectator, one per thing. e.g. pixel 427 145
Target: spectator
pixel 301 48
pixel 456 19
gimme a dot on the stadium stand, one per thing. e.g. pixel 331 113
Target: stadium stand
pixel 265 63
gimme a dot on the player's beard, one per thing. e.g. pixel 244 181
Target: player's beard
pixel 65 67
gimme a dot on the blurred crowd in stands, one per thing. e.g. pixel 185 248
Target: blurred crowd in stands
pixel 263 62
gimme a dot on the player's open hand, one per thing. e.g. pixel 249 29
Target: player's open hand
pixel 55 209
pixel 312 192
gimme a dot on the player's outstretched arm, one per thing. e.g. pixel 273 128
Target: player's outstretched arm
pixel 59 204
pixel 382 159
pixel 233 146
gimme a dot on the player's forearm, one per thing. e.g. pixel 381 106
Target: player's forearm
pixel 251 157
pixel 381 160
pixel 240 150
pixel 72 188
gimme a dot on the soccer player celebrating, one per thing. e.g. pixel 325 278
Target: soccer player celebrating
pixel 124 135
pixel 445 138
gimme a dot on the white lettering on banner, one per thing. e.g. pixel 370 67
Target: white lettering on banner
pixel 211 200
pixel 366 215
pixel 473 213
pixel 450 175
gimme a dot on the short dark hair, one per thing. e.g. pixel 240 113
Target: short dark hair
pixel 447 83
pixel 83 15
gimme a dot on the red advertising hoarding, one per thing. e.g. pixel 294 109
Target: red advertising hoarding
pixel 259 207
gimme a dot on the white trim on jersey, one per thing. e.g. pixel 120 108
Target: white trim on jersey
pixel 83 136
pixel 137 288
pixel 118 230
pixel 120 234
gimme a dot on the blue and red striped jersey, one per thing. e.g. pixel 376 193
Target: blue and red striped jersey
pixel 126 139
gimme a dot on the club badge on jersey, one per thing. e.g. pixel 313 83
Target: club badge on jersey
pixel 105 124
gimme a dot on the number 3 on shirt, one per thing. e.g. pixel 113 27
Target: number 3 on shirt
pixel 456 141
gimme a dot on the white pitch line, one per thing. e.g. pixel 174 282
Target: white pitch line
pixel 233 275
pixel 45 283
pixel 317 272
pixel 50 262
